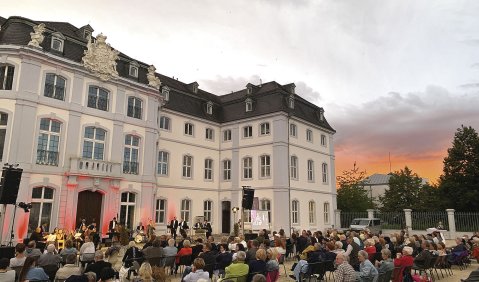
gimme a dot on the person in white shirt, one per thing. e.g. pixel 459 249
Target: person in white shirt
pixel 20 256
pixel 87 250
pixel 6 275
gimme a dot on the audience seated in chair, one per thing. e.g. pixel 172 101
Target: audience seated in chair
pixel 6 275
pixel 31 272
pixel 98 265
pixel 20 256
pixel 70 268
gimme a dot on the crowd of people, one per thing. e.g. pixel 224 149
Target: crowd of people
pixel 352 256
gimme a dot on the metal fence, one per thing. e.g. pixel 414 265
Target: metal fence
pixel 347 217
pixel 391 220
pixel 467 221
pixel 425 220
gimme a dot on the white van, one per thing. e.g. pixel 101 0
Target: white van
pixel 371 224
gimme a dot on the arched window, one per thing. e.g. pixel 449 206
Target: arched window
pixel 98 98
pixel 3 132
pixel 249 105
pixel 130 154
pixel 127 209
pixel 295 212
pixel 41 211
pixel 324 170
pixel 94 143
pixel 163 162
pixel 312 212
pixel 292 130
pixel 185 210
pixel 134 107
pixel 6 76
pixel 48 142
pixel 54 86
pixel 208 210
pixel 294 167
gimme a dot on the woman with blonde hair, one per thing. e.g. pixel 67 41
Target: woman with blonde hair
pixel 146 272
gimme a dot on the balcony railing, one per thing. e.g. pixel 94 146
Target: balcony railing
pixel 130 167
pixel 95 167
pixel 45 157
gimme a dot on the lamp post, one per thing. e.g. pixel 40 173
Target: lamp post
pixel 235 210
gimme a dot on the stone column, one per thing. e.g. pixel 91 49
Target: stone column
pixel 337 218
pixel 452 223
pixel 370 213
pixel 407 215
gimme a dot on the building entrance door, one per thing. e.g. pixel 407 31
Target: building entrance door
pixel 89 208
pixel 226 217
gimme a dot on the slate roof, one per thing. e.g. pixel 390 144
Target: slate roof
pixel 267 98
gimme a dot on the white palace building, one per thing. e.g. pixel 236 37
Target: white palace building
pixel 99 134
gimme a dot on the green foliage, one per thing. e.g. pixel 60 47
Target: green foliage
pixel 403 193
pixel 351 193
pixel 459 183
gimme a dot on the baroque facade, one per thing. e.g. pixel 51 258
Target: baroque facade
pixel 99 134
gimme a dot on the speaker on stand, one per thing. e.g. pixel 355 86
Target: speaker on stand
pixel 9 186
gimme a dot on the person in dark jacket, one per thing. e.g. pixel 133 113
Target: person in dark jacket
pixel 223 259
pixel 98 265
pixel 258 265
pixel 132 254
pixel 209 257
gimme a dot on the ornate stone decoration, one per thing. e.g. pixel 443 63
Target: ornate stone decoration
pixel 153 81
pixel 37 36
pixel 100 58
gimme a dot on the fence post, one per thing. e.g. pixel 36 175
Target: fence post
pixel 370 213
pixel 407 215
pixel 452 223
pixel 337 216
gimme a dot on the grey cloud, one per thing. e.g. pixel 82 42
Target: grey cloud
pixel 226 84
pixel 414 125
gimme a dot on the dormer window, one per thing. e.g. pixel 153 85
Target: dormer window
pixel 321 114
pixel 209 108
pixel 291 102
pixel 133 72
pixel 165 92
pixel 249 105
pixel 293 89
pixel 249 90
pixel 195 88
pixel 86 34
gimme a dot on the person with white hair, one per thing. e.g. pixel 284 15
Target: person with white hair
pixel 344 271
pixel 367 271
pixel 131 254
pixel 50 257
pixel 402 261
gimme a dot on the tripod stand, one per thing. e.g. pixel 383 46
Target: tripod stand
pixel 12 235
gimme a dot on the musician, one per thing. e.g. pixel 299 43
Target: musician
pixel 150 229
pixel 198 225
pixel 207 226
pixel 184 225
pixel 112 225
pixel 37 235
pixel 92 232
pixel 140 229
pixel 82 226
pixel 173 226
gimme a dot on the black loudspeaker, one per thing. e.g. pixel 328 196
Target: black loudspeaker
pixel 7 252
pixel 250 236
pixel 248 195
pixel 9 185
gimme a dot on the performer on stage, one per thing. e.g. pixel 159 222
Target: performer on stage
pixel 140 228
pixel 184 225
pixel 173 226
pixel 112 228
pixel 82 226
pixel 198 225
pixel 150 229
pixel 207 226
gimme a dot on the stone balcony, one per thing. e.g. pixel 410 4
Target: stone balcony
pixel 91 167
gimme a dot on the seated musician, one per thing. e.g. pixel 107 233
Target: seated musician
pixel 140 229
pixel 82 226
pixel 37 235
pixel 198 225
pixel 93 233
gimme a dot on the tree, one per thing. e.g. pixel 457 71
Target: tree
pixel 429 199
pixel 459 183
pixel 403 193
pixel 351 193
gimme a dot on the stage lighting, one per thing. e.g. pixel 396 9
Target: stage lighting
pixel 24 206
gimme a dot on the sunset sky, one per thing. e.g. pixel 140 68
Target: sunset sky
pixel 394 77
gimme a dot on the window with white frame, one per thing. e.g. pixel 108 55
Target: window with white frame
pixel 133 71
pixel 265 166
pixel 94 143
pixel 326 213
pixel 134 107
pixel 189 129
pixel 226 170
pixel 265 205
pixel 310 170
pixel 309 135
pixel 48 142
pixel 165 123
pixel 54 86
pixel 163 162
pixel 264 128
pixel 3 132
pixel 227 135
pixel 248 131
pixel 312 212
pixel 247 216
pixel 130 154
pixel 57 44
pixel 295 212
pixel 127 209
pixel 209 108
pixel 210 134
pixel 185 210
pixel 187 166
pixel 208 169
pixel 98 98
pixel 165 93
pixel 247 168
pixel 249 105
pixel 291 102
pixel 292 130
pixel 324 142
pixel 41 211
pixel 208 210
pixel 160 211
pixel 294 167
pixel 6 76
pixel 324 170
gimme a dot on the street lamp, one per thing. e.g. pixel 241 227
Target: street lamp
pixel 235 210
